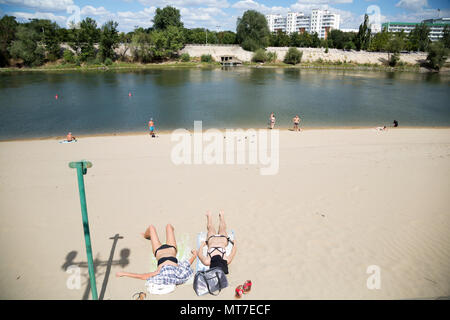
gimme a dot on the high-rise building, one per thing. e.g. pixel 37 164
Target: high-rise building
pixel 320 22
pixel 276 22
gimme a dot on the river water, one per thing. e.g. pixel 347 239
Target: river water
pixel 98 102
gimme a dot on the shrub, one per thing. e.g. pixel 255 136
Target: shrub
pixel 293 56
pixel 185 57
pixel 271 56
pixel 437 55
pixel 395 58
pixel 260 55
pixel 68 56
pixel 206 58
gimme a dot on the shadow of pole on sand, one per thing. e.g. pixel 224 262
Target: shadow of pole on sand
pixel 123 261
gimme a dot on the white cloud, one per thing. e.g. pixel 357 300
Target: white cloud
pixel 45 5
pixel 186 3
pixel 40 15
pixel 92 11
pixel 413 5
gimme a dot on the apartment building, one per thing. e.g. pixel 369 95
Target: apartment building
pixel 319 21
pixel 436 27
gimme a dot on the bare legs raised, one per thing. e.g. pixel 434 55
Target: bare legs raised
pixel 152 235
pixel 210 227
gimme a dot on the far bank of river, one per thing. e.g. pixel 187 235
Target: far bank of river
pixel 117 66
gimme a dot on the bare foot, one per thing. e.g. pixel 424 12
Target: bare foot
pixel 146 235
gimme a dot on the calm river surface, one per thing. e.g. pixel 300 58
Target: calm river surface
pixel 99 102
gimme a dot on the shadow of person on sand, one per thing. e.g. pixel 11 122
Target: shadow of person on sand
pixel 99 264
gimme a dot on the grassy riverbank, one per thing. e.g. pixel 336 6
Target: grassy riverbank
pixel 197 64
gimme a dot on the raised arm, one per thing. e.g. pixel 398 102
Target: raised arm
pixel 141 276
pixel 194 255
pixel 232 253
pixel 202 258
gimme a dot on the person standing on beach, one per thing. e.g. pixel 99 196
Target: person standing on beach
pixel 217 243
pixel 272 120
pixel 169 271
pixel 151 127
pixel 296 121
pixel 395 123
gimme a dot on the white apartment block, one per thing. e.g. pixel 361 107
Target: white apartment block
pixel 320 21
pixel 436 27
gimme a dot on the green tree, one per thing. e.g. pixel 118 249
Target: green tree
pixel 48 35
pixel 363 37
pixel 226 37
pixel 252 31
pixel 166 43
pixel 380 41
pixel 337 39
pixel 141 46
pixel 8 27
pixel 83 37
pixel 109 40
pixel 437 55
pixel 446 37
pixel 27 47
pixel 279 39
pixel 419 37
pixel 168 16
pixel 293 56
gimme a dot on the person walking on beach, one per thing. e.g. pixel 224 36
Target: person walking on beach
pixel 216 243
pixel 151 127
pixel 296 121
pixel 169 271
pixel 272 120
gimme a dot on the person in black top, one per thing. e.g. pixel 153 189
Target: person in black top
pixel 395 123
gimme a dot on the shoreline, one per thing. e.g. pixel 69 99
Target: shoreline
pixel 214 65
pixel 167 132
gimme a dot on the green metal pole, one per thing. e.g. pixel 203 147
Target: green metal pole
pixel 81 167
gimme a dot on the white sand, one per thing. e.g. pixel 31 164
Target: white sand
pixel 342 200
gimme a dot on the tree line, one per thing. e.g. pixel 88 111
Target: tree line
pixel 253 34
pixel 39 41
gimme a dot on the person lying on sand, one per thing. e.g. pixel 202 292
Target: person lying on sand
pixel 70 137
pixel 170 271
pixel 217 242
pixel 381 128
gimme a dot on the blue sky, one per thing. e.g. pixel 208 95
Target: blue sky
pixel 217 14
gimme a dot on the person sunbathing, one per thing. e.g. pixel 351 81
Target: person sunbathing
pixel 217 243
pixel 169 270
pixel 70 138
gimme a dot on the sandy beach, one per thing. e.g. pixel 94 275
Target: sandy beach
pixel 343 200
